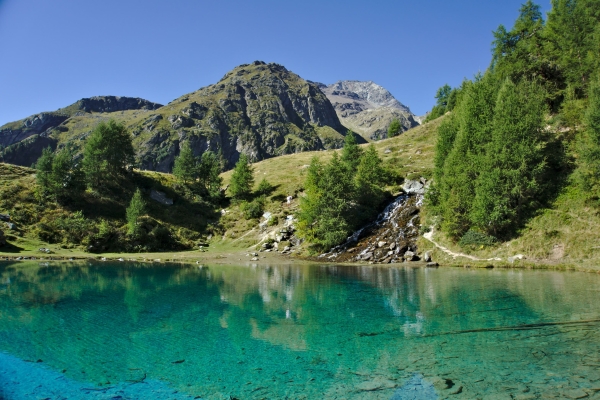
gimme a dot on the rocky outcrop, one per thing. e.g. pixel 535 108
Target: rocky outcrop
pixel 390 239
pixel 37 124
pixel 107 104
pixel 367 108
pixel 21 142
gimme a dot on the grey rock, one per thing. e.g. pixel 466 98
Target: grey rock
pixel 381 244
pixel 4 217
pixel 427 256
pixel 254 259
pixel 410 256
pixel 179 121
pixel 11 226
pixel 515 258
pixel 106 104
pixel 432 264
pixel 160 197
pixel 413 187
pixel 367 108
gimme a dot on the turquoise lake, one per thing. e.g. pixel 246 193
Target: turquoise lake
pixel 149 331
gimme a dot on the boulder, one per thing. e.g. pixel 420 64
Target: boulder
pixel 427 256
pixel 413 187
pixel 410 256
pixel 381 243
pixel 4 217
pixel 160 197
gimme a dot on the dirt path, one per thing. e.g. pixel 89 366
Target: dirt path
pixel 429 236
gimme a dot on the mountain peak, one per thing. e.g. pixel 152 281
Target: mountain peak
pixel 367 108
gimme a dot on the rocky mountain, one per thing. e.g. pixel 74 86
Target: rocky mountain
pixel 22 142
pixel 262 110
pixel 367 108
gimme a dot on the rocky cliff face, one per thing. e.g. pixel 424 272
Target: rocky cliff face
pixel 261 110
pixel 367 108
pixel 22 141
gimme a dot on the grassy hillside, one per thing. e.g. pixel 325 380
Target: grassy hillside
pixel 564 235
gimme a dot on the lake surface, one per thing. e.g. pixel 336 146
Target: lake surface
pixel 106 331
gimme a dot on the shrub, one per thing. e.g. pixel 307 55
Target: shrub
pixel 253 209
pixel 474 238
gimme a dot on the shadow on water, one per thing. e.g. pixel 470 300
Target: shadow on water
pixel 277 331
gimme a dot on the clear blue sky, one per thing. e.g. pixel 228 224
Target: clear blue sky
pixel 54 52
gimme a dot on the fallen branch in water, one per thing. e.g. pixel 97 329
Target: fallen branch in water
pixel 518 327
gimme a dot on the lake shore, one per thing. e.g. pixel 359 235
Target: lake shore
pixel 236 256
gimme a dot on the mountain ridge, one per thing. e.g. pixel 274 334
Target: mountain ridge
pixel 367 108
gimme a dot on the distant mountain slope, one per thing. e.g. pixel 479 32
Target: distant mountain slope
pixel 262 110
pixel 22 141
pixel 367 108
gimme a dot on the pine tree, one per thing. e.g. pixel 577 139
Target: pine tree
pixel 242 179
pixel 185 168
pixel 67 179
pixel 264 188
pixel 370 177
pixel 135 210
pixel 462 166
pixel 589 144
pixel 511 175
pixel 351 153
pixel 326 210
pixel 310 203
pixel 394 128
pixel 572 42
pixel 107 154
pixel 43 168
pixel 209 172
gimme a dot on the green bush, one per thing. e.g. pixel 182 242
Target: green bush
pixel 476 239
pixel 253 209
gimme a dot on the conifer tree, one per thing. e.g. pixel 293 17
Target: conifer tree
pixel 327 208
pixel 394 128
pixel 185 168
pixel 510 182
pixel 572 41
pixel 242 179
pixel 351 153
pixel 135 210
pixel 67 179
pixel 107 153
pixel 370 177
pixel 462 166
pixel 589 144
pixel 208 173
pixel 264 188
pixel 43 168
pixel 310 203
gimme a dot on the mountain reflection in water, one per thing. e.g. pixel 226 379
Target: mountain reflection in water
pixel 301 331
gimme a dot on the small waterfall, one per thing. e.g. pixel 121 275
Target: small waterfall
pixel 388 238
